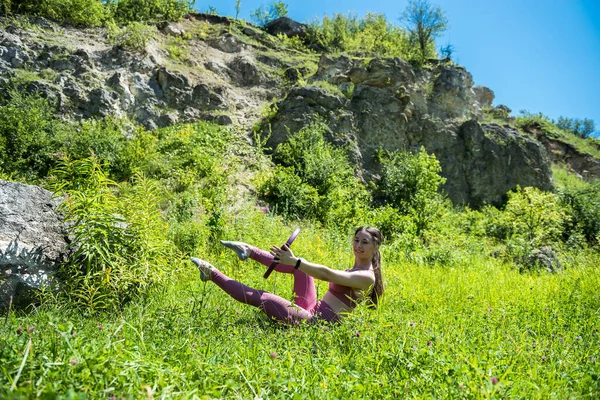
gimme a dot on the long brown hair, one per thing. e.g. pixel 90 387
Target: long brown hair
pixel 377 289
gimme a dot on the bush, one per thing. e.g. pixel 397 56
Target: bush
pixel 261 16
pixel 581 200
pixel 288 194
pixel 134 36
pixel 534 215
pixel 149 10
pixel 410 182
pixel 323 174
pixel 100 12
pixel 76 12
pixel 118 242
pixel 372 34
pixel 28 133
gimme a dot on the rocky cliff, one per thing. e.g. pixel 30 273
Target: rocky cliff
pixel 214 69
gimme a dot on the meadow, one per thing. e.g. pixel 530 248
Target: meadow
pixel 477 329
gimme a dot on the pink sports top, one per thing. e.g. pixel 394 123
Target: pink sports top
pixel 347 295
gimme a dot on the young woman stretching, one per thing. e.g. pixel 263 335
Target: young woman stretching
pixel 345 287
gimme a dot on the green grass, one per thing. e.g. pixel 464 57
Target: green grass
pixel 441 332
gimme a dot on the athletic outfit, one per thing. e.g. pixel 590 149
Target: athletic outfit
pixel 305 305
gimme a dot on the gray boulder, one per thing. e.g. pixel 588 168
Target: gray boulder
pixel 286 26
pixel 484 95
pixel 33 242
pixel 244 72
pixel 227 43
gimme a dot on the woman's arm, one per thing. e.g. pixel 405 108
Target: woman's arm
pixel 361 279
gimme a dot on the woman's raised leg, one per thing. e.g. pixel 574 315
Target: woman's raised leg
pixel 272 305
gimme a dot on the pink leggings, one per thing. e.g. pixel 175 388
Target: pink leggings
pixel 305 306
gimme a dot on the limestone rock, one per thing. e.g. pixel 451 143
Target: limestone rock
pixel 286 26
pixel 244 72
pixel 485 96
pixel 452 95
pixel 33 242
pixel 227 43
pixel 542 258
pixel 172 30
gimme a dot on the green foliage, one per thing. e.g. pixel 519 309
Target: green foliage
pixel 118 242
pixel 238 5
pixel 262 16
pixel 27 135
pixel 76 12
pixel 101 12
pixel 528 120
pixel 186 153
pixel 540 123
pixel 178 49
pixel 125 11
pixel 581 200
pixel 533 215
pixel 314 180
pixel 578 127
pixel 134 36
pixel 294 42
pixel 530 220
pixel 372 34
pixel 105 138
pixel 410 182
pixel 288 194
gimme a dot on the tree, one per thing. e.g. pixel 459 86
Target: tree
pixel 262 16
pixel 238 4
pixel 447 51
pixel 582 128
pixel 424 22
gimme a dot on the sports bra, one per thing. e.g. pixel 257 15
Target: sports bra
pixel 347 295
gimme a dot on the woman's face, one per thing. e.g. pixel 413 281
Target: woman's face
pixel 364 246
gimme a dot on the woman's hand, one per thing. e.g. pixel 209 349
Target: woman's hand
pixel 283 255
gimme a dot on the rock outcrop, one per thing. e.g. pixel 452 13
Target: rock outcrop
pixel 387 104
pixel 33 242
pixel 231 74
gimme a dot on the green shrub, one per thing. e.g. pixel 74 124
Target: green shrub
pixel 372 34
pixel 76 12
pixel 534 215
pixel 326 183
pixel 530 220
pixel 149 10
pixel 317 162
pixel 410 182
pixel 28 131
pixel 581 200
pixel 105 138
pixel 118 236
pixel 287 194
pixel 134 36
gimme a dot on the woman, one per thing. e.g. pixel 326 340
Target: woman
pixel 345 287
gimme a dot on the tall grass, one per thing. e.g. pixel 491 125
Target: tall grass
pixel 481 330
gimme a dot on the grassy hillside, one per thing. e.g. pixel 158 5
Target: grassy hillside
pixel 470 310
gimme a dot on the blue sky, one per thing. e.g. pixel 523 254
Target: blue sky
pixel 537 55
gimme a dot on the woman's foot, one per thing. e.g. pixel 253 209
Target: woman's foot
pixel 204 267
pixel 241 249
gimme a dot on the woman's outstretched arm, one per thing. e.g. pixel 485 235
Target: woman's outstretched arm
pixel 359 279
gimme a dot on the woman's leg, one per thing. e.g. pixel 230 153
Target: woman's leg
pixel 272 305
pixel 304 284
